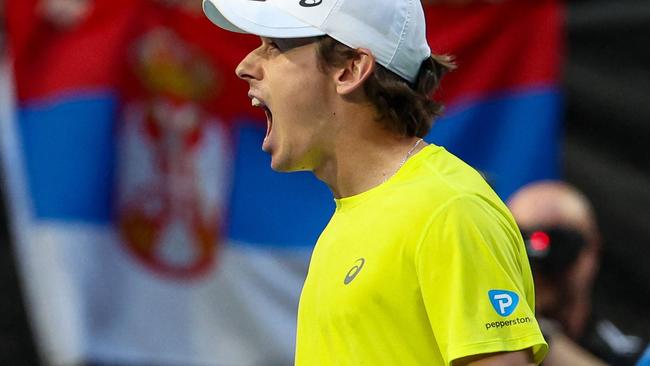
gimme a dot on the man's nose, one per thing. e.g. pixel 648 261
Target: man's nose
pixel 249 68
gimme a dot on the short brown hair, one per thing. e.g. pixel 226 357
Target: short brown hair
pixel 407 108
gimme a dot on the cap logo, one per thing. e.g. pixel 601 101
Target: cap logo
pixel 310 3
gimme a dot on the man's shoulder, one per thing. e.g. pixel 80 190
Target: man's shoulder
pixel 439 177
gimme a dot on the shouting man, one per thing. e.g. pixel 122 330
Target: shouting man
pixel 421 264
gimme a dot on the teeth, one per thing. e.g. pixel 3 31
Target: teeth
pixel 256 102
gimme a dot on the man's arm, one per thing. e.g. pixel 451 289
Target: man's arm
pixel 518 358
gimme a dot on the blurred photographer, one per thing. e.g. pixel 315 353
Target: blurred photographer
pixel 562 239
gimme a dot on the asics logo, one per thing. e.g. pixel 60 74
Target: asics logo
pixel 504 302
pixel 354 271
pixel 310 3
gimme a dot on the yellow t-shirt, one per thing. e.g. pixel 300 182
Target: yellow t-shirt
pixel 423 269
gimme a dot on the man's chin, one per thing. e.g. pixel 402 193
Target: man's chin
pixel 281 166
pixel 283 169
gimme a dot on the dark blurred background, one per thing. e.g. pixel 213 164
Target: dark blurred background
pixel 17 345
pixel 607 83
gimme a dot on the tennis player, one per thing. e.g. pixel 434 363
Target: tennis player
pixel 421 264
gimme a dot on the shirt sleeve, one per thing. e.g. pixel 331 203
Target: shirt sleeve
pixel 476 282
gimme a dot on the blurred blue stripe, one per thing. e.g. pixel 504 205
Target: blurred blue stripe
pixel 513 139
pixel 69 155
pixel 274 209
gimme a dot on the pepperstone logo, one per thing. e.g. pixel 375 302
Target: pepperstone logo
pixel 310 3
pixel 504 302
pixel 354 271
pixel 507 323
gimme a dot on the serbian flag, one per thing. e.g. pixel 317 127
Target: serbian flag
pixel 118 154
pixel 148 224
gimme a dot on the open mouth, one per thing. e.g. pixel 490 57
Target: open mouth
pixel 269 116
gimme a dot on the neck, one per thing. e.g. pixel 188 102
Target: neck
pixel 364 156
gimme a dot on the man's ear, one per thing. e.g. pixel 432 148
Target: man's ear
pixel 355 72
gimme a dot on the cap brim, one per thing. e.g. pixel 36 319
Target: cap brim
pixel 257 17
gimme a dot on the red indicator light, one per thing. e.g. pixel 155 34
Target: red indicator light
pixel 539 241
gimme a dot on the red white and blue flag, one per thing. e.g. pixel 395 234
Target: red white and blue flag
pixel 149 226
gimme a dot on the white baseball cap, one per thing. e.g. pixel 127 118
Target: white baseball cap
pixel 394 30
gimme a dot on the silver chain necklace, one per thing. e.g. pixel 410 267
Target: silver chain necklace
pixel 408 155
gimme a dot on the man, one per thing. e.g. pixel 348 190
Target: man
pixel 421 263
pixel 553 205
pixel 563 242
